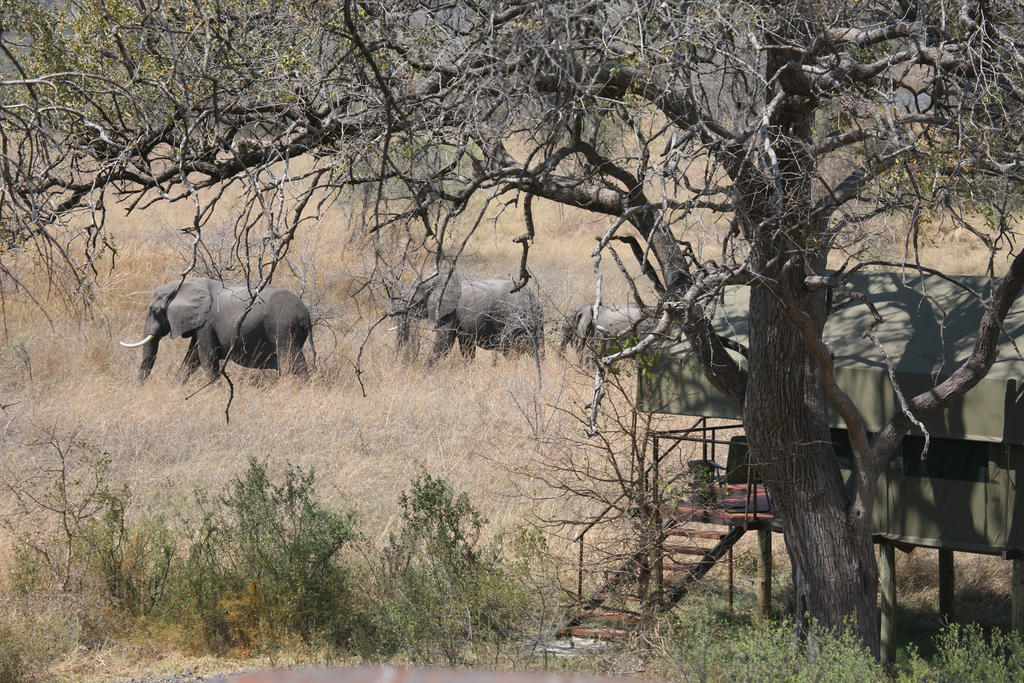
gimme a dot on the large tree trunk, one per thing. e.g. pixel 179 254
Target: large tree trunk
pixel 784 409
pixel 785 418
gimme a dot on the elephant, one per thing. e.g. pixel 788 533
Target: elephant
pixel 207 313
pixel 482 312
pixel 612 322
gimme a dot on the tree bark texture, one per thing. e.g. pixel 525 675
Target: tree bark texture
pixel 786 423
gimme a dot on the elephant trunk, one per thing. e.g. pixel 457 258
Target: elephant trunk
pixel 406 310
pixel 154 332
pixel 402 329
pixel 405 345
pixel 148 357
pixel 399 310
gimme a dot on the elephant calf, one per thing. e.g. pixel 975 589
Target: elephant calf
pixel 582 328
pixel 207 313
pixel 482 312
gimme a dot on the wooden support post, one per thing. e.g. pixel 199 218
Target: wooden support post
pixel 1017 595
pixel 658 559
pixel 730 578
pixel 764 572
pixel 946 585
pixel 887 578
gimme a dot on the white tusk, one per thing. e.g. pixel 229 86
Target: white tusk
pixel 392 329
pixel 137 344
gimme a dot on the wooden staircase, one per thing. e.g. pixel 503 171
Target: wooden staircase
pixel 693 539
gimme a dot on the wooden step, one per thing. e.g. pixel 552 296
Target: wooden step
pixel 687 512
pixel 632 599
pixel 679 566
pixel 696 533
pixel 588 632
pixel 685 549
pixel 608 614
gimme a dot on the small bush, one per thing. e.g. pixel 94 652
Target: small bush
pixel 53 510
pixel 439 590
pixel 78 572
pixel 132 563
pixel 966 653
pixel 702 645
pixel 263 566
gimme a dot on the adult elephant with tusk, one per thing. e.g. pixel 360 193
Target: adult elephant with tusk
pixel 273 327
pixel 478 312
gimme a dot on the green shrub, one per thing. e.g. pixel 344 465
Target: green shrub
pixel 131 563
pixel 702 645
pixel 440 591
pixel 966 653
pixel 263 565
pixel 78 572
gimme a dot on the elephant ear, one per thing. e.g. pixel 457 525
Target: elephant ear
pixel 444 298
pixel 189 308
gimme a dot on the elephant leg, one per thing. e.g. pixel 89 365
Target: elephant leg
pixel 209 352
pixel 467 346
pixel 289 354
pixel 508 348
pixel 298 365
pixel 444 339
pixel 190 362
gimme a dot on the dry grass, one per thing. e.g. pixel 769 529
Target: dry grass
pixel 981 586
pixel 65 373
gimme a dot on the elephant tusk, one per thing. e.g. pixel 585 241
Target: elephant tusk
pixel 392 329
pixel 138 343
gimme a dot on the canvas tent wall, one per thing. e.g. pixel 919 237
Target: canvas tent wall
pixel 963 495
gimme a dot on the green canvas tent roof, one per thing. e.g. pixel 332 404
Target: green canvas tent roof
pixel 929 327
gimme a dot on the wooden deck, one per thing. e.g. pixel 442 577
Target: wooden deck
pixel 738 505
